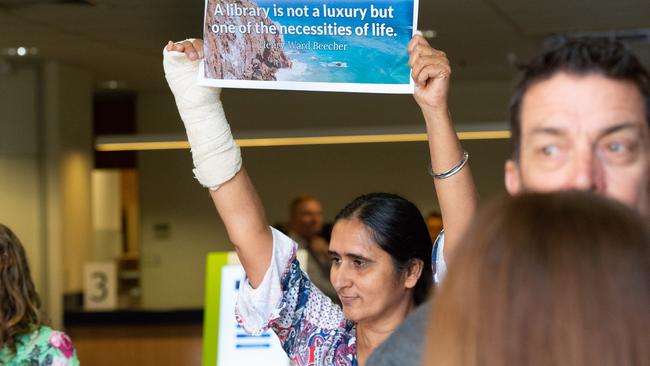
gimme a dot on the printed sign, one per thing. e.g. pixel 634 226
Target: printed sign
pixel 236 347
pixel 323 45
pixel 100 286
pixel 225 343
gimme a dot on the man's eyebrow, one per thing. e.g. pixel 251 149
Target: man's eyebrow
pixel 555 131
pixel 619 127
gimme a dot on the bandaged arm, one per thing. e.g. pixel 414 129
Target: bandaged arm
pixel 217 161
pixel 215 153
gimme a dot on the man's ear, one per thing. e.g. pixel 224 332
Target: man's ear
pixel 512 177
pixel 413 273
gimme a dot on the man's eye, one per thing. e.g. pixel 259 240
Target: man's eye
pixel 619 152
pixel 550 150
pixel 615 147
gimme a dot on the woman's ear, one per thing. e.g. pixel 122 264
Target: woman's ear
pixel 512 177
pixel 413 273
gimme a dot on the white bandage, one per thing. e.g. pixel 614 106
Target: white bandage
pixel 216 156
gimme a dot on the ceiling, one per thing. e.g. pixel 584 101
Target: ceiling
pixel 122 39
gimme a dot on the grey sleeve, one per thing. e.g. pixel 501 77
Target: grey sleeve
pixel 404 346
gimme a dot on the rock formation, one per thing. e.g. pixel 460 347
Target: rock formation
pixel 259 62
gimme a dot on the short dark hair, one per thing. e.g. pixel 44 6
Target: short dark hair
pixel 299 200
pixel 579 56
pixel 398 227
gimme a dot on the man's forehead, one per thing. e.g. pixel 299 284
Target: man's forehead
pixel 310 206
pixel 558 130
pixel 581 104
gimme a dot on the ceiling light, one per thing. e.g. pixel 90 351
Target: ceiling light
pixel 19 51
pixel 112 85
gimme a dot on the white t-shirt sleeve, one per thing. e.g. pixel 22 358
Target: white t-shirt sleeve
pixel 287 302
pixel 440 264
pixel 257 308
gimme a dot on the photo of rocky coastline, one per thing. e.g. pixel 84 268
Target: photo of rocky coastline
pixel 259 61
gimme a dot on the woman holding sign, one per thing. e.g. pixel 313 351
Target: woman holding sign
pixel 380 247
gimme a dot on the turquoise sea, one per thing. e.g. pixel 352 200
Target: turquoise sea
pixel 377 60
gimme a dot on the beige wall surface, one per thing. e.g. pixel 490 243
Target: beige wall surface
pixel 69 160
pixel 250 110
pixel 45 161
pixel 106 214
pixel 20 188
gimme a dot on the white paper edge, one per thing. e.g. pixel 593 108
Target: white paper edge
pixel 308 85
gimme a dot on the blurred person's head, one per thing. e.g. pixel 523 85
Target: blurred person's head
pixel 579 120
pixel 19 302
pixel 546 279
pixel 306 216
pixel 434 224
pixel 381 252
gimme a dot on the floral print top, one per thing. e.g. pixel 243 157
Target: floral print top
pixel 43 347
pixel 311 328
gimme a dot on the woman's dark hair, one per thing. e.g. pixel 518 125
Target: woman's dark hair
pixel 19 302
pixel 546 279
pixel 397 226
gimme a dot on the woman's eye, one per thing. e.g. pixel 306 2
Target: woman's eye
pixel 359 263
pixel 335 260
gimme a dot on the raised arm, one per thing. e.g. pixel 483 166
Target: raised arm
pixel 457 194
pixel 217 159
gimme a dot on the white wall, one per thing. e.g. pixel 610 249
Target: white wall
pixel 20 188
pixel 45 160
pixel 107 214
pixel 68 159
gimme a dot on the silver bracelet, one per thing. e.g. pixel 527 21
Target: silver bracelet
pixel 455 169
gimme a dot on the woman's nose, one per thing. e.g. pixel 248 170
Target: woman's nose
pixel 339 276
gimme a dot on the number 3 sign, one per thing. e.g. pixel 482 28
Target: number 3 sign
pixel 100 286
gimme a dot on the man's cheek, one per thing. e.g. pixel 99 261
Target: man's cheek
pixel 541 181
pixel 630 190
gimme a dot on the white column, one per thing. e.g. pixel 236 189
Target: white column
pixel 67 101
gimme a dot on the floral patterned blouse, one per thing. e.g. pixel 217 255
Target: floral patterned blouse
pixel 311 328
pixel 43 347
